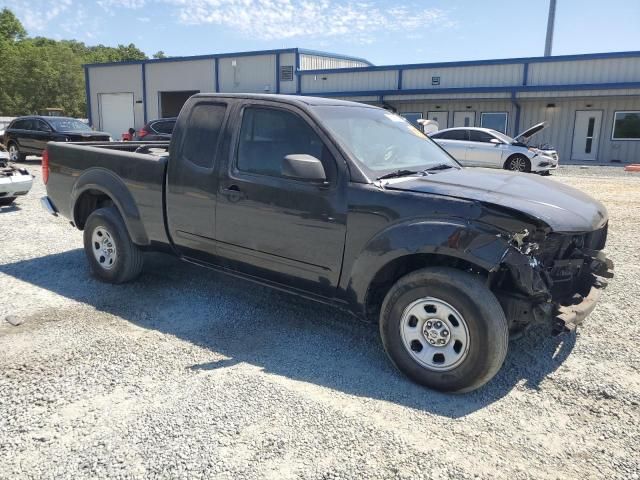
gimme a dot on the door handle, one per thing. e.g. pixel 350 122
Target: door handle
pixel 233 193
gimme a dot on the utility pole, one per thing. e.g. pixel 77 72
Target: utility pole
pixel 550 24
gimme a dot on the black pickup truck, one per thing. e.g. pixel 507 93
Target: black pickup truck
pixel 350 205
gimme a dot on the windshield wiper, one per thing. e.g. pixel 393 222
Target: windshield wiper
pixel 397 173
pixel 440 166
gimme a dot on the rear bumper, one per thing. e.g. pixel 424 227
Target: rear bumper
pixel 571 314
pixel 48 205
pixel 15 185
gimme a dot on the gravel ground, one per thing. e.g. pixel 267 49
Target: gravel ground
pixel 188 373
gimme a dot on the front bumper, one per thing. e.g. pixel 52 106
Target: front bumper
pixel 569 315
pixel 15 185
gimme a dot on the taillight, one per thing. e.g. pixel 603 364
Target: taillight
pixel 45 166
pixel 142 133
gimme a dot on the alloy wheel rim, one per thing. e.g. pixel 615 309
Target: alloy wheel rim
pixel 104 248
pixel 13 153
pixel 435 334
pixel 518 164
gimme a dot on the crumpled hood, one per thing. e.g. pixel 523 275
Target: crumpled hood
pixel 563 208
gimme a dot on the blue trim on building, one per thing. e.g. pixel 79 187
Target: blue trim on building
pixel 144 92
pixel 513 90
pixel 87 88
pixel 470 63
pixel 400 79
pixel 277 73
pixel 217 72
pixel 298 78
pixel 516 122
pixel 525 73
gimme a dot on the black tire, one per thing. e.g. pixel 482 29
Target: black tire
pixel 6 201
pixel 128 262
pixel 515 162
pixel 488 332
pixel 21 157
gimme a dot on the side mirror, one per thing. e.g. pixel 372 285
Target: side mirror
pixel 495 141
pixel 303 167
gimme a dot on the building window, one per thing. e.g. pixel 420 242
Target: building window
pixel 626 126
pixel 494 120
pixel 412 118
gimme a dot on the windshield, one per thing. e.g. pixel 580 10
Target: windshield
pixel 382 141
pixel 67 124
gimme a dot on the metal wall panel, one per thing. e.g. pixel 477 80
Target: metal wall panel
pixel 350 82
pixel 585 71
pixel 562 118
pixel 251 74
pixel 459 77
pixel 168 76
pixel 318 62
pixel 288 59
pixel 116 79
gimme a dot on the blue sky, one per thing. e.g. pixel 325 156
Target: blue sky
pixel 383 31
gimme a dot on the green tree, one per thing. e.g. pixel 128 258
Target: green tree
pixel 10 27
pixel 159 54
pixel 40 72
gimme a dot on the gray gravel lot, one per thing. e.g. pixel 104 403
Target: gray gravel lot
pixel 189 373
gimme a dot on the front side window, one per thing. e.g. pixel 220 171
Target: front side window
pixel 626 126
pixel 494 120
pixel 268 135
pixel 41 126
pixel 381 141
pixel 480 136
pixel 166 126
pixel 200 139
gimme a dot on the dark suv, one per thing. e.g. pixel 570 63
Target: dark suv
pixel 29 135
pixel 160 129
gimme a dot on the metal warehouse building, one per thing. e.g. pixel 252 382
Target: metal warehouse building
pixel 592 102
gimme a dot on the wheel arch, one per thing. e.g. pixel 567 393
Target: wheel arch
pixel 418 245
pixel 97 188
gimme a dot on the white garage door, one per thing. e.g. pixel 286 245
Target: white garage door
pixel 116 113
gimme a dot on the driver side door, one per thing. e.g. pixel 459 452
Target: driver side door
pixel 484 150
pixel 288 231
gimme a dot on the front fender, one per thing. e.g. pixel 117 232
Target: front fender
pixel 108 183
pixel 476 244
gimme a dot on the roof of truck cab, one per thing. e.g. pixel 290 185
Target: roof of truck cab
pixel 291 99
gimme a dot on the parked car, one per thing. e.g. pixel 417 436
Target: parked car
pixel 14 181
pixel 29 135
pixel 349 205
pixel 160 129
pixel 484 147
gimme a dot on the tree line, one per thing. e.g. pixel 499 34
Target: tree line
pixel 37 72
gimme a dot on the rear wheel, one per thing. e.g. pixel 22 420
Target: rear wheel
pixel 113 257
pixel 6 201
pixel 444 329
pixel 14 153
pixel 518 163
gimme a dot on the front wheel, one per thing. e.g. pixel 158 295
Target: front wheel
pixel 518 163
pixel 444 329
pixel 113 257
pixel 14 153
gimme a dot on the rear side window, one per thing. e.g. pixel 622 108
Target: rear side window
pixel 268 135
pixel 480 136
pixel 21 124
pixel 200 140
pixel 453 135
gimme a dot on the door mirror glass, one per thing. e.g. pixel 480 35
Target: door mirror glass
pixel 495 141
pixel 303 167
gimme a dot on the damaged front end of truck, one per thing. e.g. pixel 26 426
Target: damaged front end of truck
pixel 551 277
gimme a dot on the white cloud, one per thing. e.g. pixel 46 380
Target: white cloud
pixel 281 19
pixel 36 15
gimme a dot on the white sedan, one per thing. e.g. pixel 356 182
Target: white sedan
pixel 483 147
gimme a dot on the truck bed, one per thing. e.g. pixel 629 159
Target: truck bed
pixel 78 167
